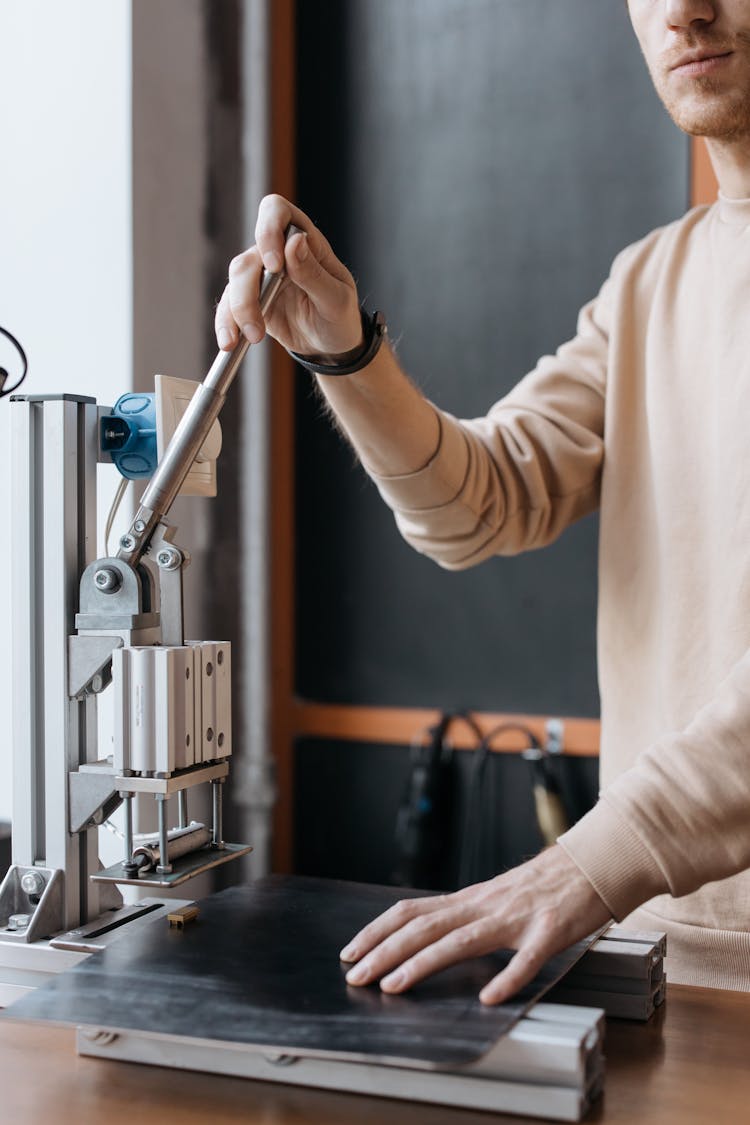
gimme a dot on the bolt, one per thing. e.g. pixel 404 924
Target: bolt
pixel 97 684
pixel 32 882
pixel 139 526
pixel 108 580
pixel 127 542
pixel 169 560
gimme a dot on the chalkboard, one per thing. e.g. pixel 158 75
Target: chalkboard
pixel 477 164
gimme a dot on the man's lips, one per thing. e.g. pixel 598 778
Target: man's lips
pixel 700 62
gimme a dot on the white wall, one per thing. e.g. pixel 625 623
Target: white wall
pixel 65 225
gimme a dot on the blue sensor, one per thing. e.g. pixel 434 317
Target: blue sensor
pixel 128 434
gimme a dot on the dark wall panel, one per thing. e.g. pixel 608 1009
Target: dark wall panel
pixel 347 798
pixel 477 163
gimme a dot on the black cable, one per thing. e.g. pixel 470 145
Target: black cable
pixel 3 371
pixel 428 808
pixel 478 851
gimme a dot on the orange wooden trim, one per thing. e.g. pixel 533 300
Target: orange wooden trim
pixel 704 187
pixel 400 725
pixel 283 50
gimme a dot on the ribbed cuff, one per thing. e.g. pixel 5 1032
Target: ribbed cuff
pixel 438 482
pixel 614 859
pixel 699 955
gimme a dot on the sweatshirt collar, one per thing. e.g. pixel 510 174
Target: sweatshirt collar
pixel 736 212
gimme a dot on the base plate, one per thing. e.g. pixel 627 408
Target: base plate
pixel 184 868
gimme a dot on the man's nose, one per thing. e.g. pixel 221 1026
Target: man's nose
pixel 684 13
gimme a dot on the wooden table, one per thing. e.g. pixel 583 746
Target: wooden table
pixel 689 1066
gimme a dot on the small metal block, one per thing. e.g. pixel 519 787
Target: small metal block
pixel 19 921
pixel 184 914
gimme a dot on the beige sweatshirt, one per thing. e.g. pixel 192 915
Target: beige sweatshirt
pixel 642 415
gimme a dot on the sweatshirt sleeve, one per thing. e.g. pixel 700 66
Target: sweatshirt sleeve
pixel 680 816
pixel 516 478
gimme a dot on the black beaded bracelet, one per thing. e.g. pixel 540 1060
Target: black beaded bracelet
pixel 374 329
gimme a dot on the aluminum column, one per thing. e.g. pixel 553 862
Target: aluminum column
pixel 54 448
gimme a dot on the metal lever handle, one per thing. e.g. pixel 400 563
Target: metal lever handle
pixel 191 433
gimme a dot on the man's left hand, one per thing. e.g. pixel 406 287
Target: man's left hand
pixel 538 909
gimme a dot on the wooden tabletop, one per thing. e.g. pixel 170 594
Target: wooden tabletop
pixel 688 1066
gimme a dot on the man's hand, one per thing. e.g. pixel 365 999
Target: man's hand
pixel 538 909
pixel 317 310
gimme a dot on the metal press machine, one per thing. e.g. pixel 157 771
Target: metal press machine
pixel 82 625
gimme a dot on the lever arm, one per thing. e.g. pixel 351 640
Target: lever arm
pixel 190 434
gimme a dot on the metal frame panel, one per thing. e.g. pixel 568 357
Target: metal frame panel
pixel 57 559
pixel 25 842
pixel 54 458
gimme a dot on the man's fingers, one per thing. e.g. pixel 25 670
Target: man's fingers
pixel 420 932
pixel 521 969
pixel 274 216
pixel 332 298
pixel 224 323
pixel 389 922
pixel 472 940
pixel 245 272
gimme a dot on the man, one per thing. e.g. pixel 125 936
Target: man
pixel 640 414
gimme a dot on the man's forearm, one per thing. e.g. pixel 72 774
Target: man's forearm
pixel 390 423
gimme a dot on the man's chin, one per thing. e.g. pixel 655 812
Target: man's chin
pixel 713 118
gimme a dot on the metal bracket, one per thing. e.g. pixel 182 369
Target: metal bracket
pixel 35 893
pixel 112 598
pixel 171 561
pixel 92 797
pixel 90 663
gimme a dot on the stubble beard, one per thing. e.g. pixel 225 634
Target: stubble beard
pixel 709 107
pixel 709 111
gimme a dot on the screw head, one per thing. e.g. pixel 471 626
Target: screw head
pixel 139 526
pixel 32 882
pixel 127 542
pixel 169 559
pixel 108 580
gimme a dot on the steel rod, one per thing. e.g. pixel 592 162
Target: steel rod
pixel 128 804
pixel 218 827
pixel 164 866
pixel 182 808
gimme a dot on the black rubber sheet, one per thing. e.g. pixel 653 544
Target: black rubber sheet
pixel 260 966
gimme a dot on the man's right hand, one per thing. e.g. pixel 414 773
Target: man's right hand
pixel 317 309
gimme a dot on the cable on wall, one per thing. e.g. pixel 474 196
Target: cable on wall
pixel 4 372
